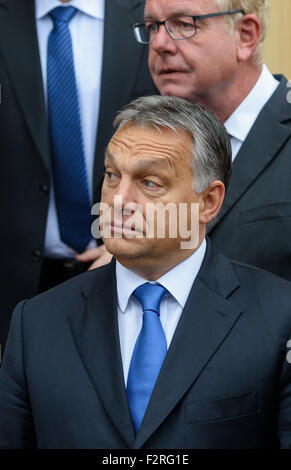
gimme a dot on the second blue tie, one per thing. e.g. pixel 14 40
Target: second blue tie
pixel 68 162
pixel 148 354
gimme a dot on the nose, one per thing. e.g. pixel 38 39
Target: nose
pixel 126 192
pixel 163 42
pixel 126 204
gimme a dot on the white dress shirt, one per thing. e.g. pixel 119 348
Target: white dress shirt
pixel 178 281
pixel 86 29
pixel 239 124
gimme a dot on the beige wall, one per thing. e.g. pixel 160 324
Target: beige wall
pixel 278 42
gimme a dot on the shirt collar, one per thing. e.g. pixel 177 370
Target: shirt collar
pixel 242 119
pixel 90 7
pixel 127 281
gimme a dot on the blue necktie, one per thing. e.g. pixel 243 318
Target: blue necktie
pixel 148 354
pixel 68 161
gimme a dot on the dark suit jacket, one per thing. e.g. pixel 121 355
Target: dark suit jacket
pixel 254 224
pixel 225 382
pixel 24 143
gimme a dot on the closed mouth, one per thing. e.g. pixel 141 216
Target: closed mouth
pixel 170 71
pixel 124 229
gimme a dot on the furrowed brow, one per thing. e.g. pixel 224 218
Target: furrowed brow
pixel 149 164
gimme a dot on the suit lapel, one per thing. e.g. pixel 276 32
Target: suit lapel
pixel 19 51
pixel 121 57
pixel 265 139
pixel 95 331
pixel 207 319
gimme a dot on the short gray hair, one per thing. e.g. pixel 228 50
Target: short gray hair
pixel 211 157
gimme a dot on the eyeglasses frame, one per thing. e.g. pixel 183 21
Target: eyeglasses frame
pixel 195 18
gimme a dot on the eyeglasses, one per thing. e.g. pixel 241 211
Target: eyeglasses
pixel 178 27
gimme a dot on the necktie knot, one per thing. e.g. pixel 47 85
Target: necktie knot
pixel 62 14
pixel 150 296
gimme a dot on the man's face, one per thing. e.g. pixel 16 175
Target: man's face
pixel 145 165
pixel 193 68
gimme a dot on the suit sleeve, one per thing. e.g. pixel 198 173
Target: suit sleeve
pixel 284 422
pixel 16 422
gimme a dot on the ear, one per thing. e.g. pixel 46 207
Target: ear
pixel 248 29
pixel 211 201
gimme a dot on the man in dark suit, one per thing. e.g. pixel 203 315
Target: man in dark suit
pixel 200 341
pixel 217 60
pixel 107 78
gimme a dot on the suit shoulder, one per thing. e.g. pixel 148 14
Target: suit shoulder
pixel 264 288
pixel 265 299
pixel 69 295
pixel 262 276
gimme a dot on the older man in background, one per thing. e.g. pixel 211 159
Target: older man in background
pixel 211 52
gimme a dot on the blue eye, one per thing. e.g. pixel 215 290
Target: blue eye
pixel 110 176
pixel 150 184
